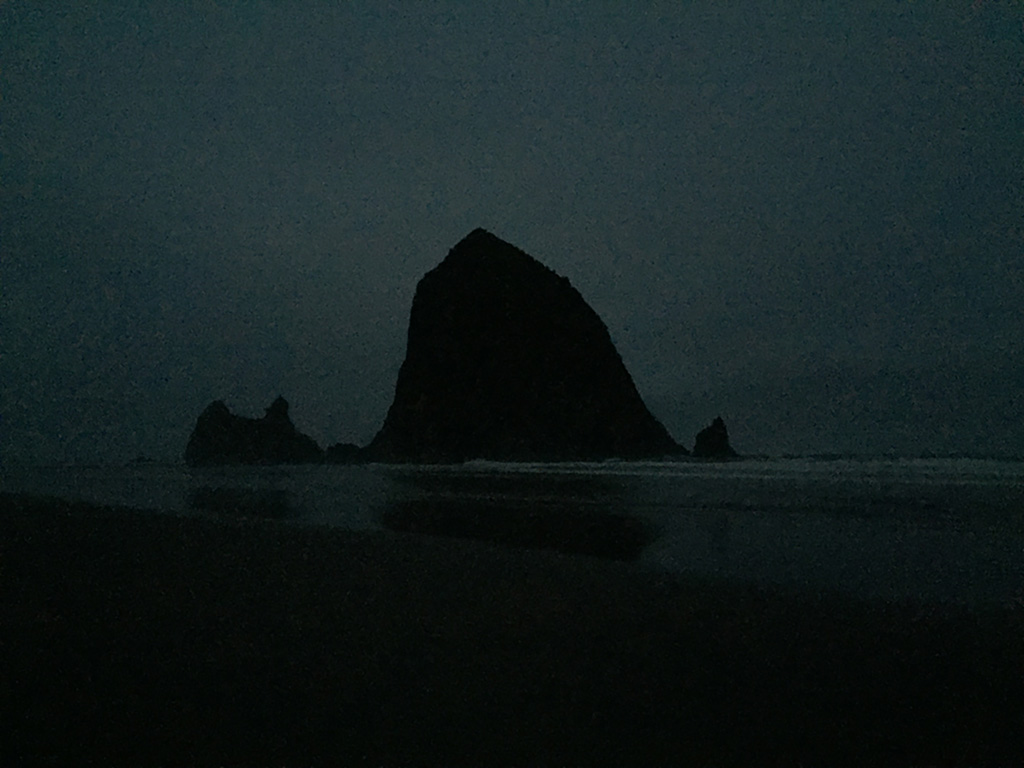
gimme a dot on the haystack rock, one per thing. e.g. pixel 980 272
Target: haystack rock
pixel 506 361
pixel 221 437
pixel 712 442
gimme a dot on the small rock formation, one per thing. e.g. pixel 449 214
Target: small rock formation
pixel 506 361
pixel 220 437
pixel 346 453
pixel 712 442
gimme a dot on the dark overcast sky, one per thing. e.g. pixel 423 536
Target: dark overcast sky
pixel 808 217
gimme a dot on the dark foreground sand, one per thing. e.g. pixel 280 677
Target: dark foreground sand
pixel 134 638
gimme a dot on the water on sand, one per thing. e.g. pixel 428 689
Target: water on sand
pixel 942 530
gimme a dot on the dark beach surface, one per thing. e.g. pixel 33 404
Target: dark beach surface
pixel 139 638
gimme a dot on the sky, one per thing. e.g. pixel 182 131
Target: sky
pixel 805 217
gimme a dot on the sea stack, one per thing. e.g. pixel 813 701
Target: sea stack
pixel 221 437
pixel 712 442
pixel 506 361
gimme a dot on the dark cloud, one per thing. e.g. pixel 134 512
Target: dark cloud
pixel 808 219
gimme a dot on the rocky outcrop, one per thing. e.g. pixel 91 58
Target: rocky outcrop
pixel 505 360
pixel 346 453
pixel 712 442
pixel 221 437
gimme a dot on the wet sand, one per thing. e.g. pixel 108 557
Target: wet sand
pixel 136 638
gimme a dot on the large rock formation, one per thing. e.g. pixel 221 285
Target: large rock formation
pixel 712 442
pixel 221 437
pixel 505 360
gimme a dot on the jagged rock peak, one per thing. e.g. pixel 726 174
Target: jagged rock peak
pixel 712 442
pixel 278 409
pixel 221 437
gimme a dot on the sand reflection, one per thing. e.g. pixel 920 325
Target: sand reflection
pixel 574 515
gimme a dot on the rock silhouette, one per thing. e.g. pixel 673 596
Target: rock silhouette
pixel 712 442
pixel 221 437
pixel 505 360
pixel 346 453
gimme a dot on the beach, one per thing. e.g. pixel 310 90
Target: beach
pixel 139 638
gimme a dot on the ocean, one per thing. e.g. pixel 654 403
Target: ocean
pixel 921 530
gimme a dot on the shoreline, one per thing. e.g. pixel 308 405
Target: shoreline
pixel 141 638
